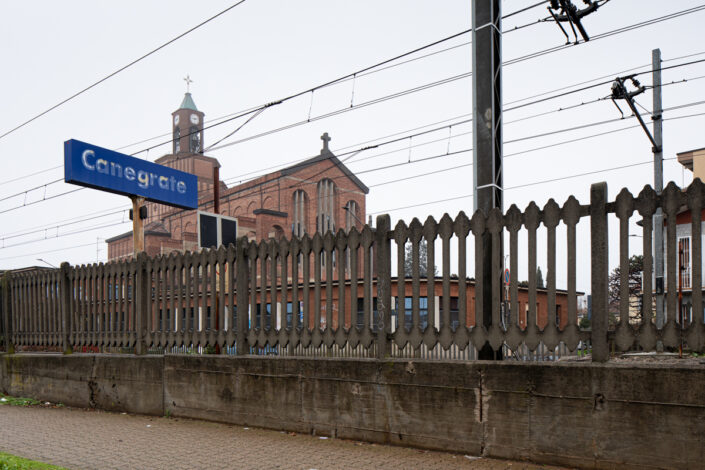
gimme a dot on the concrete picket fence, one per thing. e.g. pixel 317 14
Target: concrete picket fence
pixel 336 293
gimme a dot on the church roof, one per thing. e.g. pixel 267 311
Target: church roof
pixel 326 155
pixel 188 103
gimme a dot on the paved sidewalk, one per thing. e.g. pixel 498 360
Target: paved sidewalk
pixel 88 439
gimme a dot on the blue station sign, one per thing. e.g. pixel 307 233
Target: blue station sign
pixel 99 168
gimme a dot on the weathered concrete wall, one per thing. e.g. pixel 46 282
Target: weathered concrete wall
pixel 109 382
pixel 583 415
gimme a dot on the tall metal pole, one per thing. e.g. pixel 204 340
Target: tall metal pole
pixel 658 184
pixel 487 131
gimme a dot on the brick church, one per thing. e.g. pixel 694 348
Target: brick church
pixel 315 195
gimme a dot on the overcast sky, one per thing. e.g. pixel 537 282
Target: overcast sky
pixel 264 50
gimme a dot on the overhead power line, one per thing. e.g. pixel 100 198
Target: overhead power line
pixel 46 198
pixel 55 228
pixel 354 74
pixel 41 186
pixel 124 67
pixel 606 34
pixel 438 83
pixel 34 253
pixel 19 178
pixel 448 169
pixel 75 232
pixel 465 196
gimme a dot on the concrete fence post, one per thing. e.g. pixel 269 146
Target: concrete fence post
pixel 142 298
pixel 600 271
pixel 383 268
pixel 65 305
pixel 242 297
pixel 7 312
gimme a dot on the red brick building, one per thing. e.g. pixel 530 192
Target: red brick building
pixel 315 195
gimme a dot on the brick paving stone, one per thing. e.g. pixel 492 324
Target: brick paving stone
pixel 89 439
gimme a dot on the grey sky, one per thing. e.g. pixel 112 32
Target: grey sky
pixel 264 50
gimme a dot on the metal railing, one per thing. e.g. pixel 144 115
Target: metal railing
pixel 336 295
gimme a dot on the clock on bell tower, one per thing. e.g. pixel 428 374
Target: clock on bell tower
pixel 187 126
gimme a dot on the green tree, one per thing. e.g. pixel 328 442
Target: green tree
pixel 539 278
pixel 636 267
pixel 423 260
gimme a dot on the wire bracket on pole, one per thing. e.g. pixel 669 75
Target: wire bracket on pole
pixel 620 92
pixel 490 24
pixel 491 185
pixel 570 14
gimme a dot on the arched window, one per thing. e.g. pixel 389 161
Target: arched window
pixel 299 206
pixel 195 139
pixel 325 219
pixel 352 216
pixel 177 140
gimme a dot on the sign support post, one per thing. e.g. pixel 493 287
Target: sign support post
pixel 137 225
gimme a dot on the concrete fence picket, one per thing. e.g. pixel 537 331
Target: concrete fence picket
pixel 356 294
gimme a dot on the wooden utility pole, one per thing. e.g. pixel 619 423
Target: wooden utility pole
pixel 137 225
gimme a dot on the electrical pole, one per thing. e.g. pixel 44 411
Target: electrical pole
pixel 658 184
pixel 620 92
pixel 487 133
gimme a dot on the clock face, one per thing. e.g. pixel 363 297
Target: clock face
pixel 194 119
pixel 176 120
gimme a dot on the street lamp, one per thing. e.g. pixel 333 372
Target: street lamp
pixel 47 262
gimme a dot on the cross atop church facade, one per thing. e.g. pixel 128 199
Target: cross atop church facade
pixel 188 83
pixel 325 138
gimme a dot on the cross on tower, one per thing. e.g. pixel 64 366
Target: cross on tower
pixel 325 138
pixel 188 83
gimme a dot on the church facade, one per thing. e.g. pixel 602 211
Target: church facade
pixel 313 196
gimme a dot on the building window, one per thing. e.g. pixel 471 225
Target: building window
pixel 300 205
pixel 325 220
pixel 684 261
pixel 423 311
pixel 352 215
pixel 296 321
pixel 361 312
pixel 177 140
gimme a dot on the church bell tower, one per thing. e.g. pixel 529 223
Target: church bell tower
pixel 187 126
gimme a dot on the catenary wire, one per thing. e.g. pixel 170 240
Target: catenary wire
pixel 464 196
pixel 509 109
pixel 447 169
pixel 75 95
pixel 628 28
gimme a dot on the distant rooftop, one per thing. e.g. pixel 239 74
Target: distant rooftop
pixel 686 158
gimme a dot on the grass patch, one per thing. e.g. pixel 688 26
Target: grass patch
pixel 22 401
pixel 10 462
pixel 17 401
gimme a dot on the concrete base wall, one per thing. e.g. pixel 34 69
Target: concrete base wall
pixel 577 414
